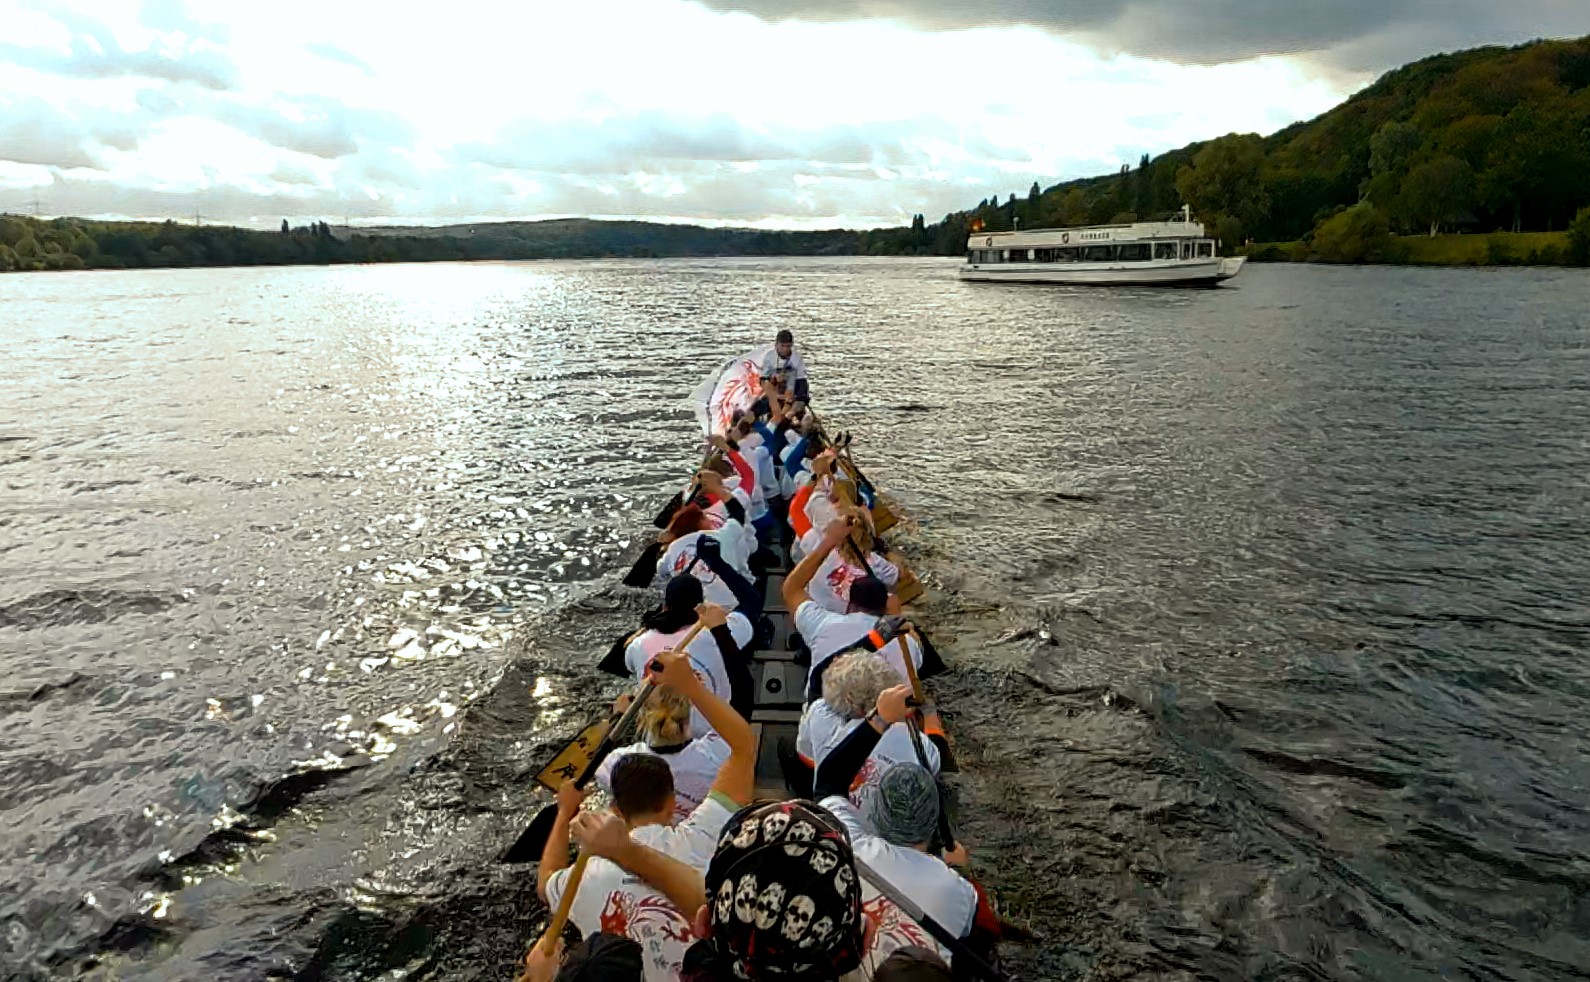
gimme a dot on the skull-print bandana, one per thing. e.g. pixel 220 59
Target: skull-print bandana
pixel 782 897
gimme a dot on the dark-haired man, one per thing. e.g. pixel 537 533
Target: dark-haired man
pixel 785 367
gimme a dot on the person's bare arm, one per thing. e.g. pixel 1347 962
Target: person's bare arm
pixel 736 778
pixel 555 854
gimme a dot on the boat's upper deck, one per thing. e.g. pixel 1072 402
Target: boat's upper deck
pixel 1049 238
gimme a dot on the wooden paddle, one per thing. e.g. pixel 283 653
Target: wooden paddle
pixel 883 517
pixel 571 886
pixel 946 834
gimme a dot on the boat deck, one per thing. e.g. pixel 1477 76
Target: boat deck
pixel 780 682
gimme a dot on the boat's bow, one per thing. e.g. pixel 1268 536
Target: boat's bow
pixel 1231 266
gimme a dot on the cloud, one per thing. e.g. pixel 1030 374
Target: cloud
pixel 92 51
pixel 33 131
pixel 315 125
pixel 172 17
pixel 331 52
pixel 628 142
pixel 787 124
pixel 1352 34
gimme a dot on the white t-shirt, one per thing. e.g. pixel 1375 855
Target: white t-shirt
pixel 827 632
pixel 822 729
pixel 942 893
pixel 717 514
pixel 789 482
pixel 767 483
pixel 791 368
pixel 705 658
pixel 695 766
pixel 612 900
pixel 757 458
pixel 682 551
pixel 831 586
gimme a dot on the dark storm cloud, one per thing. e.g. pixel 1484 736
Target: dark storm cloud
pixel 1352 34
pixel 94 52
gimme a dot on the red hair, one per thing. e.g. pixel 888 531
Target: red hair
pixel 688 519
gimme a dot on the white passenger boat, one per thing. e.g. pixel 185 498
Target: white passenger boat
pixel 1173 253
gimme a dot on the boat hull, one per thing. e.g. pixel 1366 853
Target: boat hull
pixel 1202 273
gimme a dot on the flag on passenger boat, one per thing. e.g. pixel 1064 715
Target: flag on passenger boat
pixel 729 391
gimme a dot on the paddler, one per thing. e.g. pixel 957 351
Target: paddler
pixel 825 632
pixel 690 525
pixel 851 688
pixel 784 368
pixel 892 833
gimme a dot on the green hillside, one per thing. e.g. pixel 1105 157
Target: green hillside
pixel 1483 140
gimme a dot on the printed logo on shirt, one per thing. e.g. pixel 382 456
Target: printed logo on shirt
pixel 869 770
pixel 651 922
pixel 892 930
pixel 840 578
pixel 702 573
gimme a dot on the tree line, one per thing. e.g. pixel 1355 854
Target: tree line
pixel 28 243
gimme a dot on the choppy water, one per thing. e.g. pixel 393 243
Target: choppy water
pixel 1268 602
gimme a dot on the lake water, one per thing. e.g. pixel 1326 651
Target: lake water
pixel 1267 604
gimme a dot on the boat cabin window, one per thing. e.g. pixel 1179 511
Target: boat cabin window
pixel 983 256
pixel 1134 252
pixel 1066 255
pixel 1206 249
pixel 1098 254
pixel 1165 250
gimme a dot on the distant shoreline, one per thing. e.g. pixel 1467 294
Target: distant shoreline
pixel 30 244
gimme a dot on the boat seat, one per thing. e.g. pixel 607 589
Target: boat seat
pixel 780 684
pixel 774 594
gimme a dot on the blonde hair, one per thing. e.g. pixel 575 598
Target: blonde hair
pixel 852 683
pixel 666 719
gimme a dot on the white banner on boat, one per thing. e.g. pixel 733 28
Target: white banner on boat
pixel 729 391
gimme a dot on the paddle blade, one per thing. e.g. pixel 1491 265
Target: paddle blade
pixel 572 760
pixel 527 848
pixel 909 587
pixel 883 517
pixel 641 574
pixel 667 514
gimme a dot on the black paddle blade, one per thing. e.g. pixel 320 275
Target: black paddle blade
pixel 932 664
pixel 641 574
pixel 614 662
pixel 667 514
pixel 527 848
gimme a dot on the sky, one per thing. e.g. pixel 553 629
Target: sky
pixel 765 113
